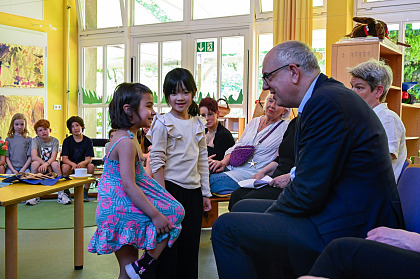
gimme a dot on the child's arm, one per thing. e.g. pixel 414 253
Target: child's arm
pixel 83 164
pixel 203 169
pixel 159 177
pixel 2 160
pixel 89 153
pixel 27 164
pixel 42 164
pixel 9 165
pixel 127 152
pixel 157 155
pixel 66 160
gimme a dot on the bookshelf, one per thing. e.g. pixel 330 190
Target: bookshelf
pixel 351 52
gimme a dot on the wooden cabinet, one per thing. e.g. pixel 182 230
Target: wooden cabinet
pixel 235 125
pixel 352 52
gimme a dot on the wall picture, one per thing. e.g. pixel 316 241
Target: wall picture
pixel 31 106
pixel 21 66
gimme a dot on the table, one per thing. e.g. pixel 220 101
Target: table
pixel 12 194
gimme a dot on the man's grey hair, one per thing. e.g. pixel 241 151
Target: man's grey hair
pixel 375 73
pixel 295 52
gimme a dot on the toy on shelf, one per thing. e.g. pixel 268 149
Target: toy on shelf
pixel 406 97
pixel 368 26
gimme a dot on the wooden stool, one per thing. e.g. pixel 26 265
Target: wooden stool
pixel 211 216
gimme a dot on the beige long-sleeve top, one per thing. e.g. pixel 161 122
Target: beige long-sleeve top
pixel 179 146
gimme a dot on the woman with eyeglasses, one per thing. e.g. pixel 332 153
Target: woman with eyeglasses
pixel 218 138
pixel 265 133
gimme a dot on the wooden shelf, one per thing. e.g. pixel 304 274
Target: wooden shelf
pixel 353 52
pixel 234 124
pixel 414 106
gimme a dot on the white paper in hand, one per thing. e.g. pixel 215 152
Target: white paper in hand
pixel 254 183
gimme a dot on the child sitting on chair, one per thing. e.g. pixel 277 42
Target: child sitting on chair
pixel 77 151
pixel 44 152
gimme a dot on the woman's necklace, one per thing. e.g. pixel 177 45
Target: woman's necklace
pixel 262 125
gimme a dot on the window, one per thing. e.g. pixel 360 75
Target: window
pixel 157 11
pixel 100 14
pixel 265 43
pixel 103 70
pixel 393 30
pixel 232 78
pixel 266 6
pixel 224 79
pixel 206 68
pixel 156 59
pixel 412 56
pixel 220 8
pixel 319 37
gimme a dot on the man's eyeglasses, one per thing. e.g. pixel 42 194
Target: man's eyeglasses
pixel 265 76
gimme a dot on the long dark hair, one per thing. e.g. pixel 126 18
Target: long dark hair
pixel 174 80
pixel 126 93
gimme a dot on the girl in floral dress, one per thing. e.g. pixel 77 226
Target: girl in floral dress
pixel 134 212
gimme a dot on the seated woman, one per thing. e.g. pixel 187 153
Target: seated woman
pixel 279 170
pixel 265 133
pixel 218 138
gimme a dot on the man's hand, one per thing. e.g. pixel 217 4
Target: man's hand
pixel 280 181
pixel 395 237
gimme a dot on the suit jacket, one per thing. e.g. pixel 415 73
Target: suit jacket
pixel 223 140
pixel 344 183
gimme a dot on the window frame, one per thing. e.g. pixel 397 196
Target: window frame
pixel 99 42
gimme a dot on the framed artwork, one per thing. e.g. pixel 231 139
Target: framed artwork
pixel 23 75
pixel 21 66
pixel 31 106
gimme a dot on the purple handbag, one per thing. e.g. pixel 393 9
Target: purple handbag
pixel 241 154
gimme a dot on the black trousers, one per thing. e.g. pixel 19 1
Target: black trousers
pixel 360 258
pixel 266 193
pixel 181 260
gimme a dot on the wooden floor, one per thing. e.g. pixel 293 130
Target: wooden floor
pixel 49 254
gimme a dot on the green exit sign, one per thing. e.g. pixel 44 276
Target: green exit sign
pixel 205 47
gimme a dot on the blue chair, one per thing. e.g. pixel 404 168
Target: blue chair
pixel 406 163
pixel 409 191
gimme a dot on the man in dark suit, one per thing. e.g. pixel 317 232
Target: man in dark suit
pixel 342 183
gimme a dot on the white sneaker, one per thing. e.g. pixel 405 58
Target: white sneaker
pixel 63 198
pixel 33 201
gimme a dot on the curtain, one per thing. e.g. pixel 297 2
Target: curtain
pixel 292 21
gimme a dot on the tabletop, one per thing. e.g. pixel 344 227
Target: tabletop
pixel 18 192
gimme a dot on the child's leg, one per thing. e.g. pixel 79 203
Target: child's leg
pixel 34 167
pixel 126 255
pixel 66 169
pixel 144 268
pixel 90 170
pixel 2 169
pixel 155 253
pixel 56 167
